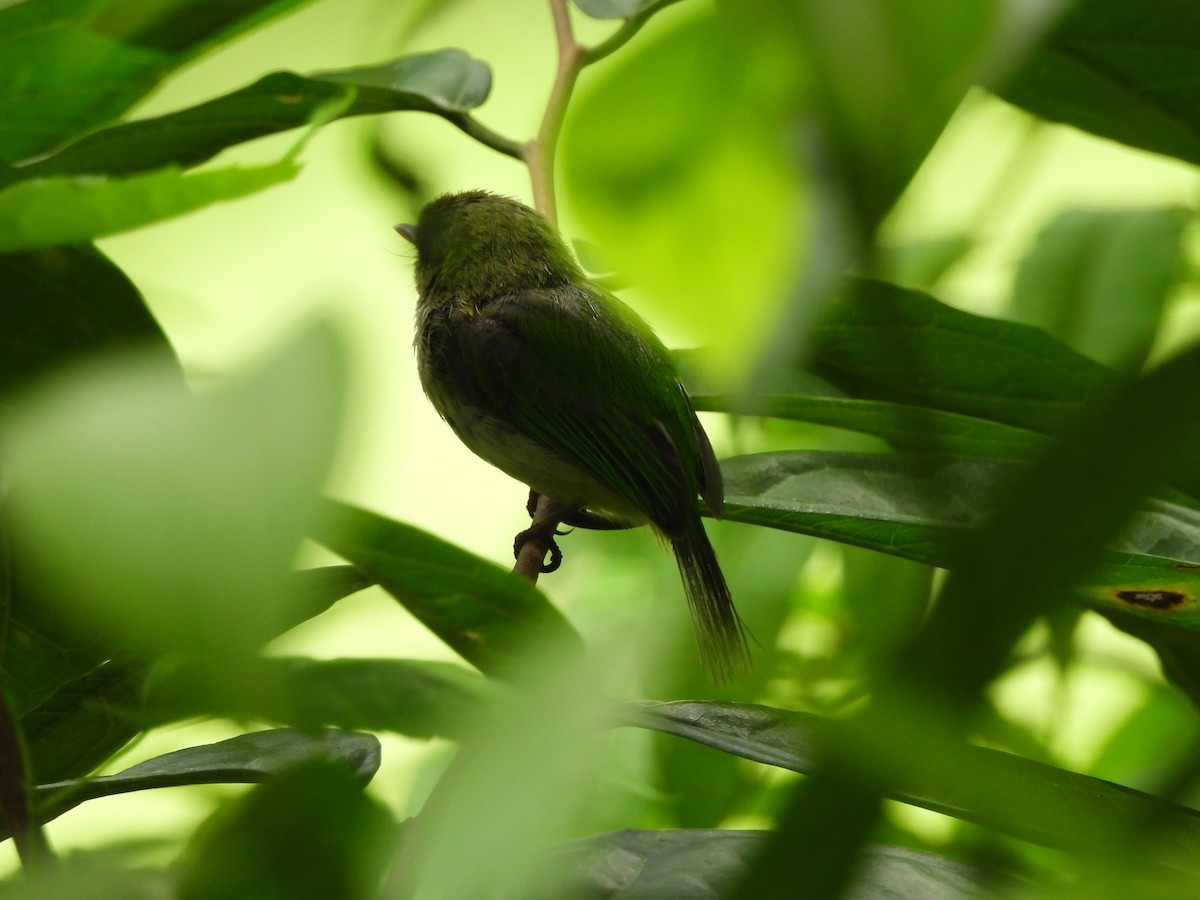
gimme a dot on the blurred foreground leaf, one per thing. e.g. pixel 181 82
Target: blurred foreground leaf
pixel 309 833
pixel 490 617
pixel 72 210
pixel 699 203
pixel 1029 800
pixel 1099 279
pixel 125 487
pixel 698 863
pixel 1111 69
pixel 953 361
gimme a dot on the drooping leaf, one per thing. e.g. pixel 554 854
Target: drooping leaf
pixel 72 65
pixel 1036 802
pixel 1099 279
pixel 125 487
pixel 951 360
pixel 245 759
pixel 488 616
pixel 699 863
pixel 444 82
pixel 920 506
pixel 1110 69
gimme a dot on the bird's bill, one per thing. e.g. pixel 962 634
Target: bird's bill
pixel 408 232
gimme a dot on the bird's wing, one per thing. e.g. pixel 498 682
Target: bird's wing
pixel 584 378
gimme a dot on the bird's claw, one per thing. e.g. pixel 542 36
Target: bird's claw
pixel 539 534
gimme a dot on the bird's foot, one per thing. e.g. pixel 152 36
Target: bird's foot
pixel 544 529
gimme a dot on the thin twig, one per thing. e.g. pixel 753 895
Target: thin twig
pixel 476 129
pixel 621 36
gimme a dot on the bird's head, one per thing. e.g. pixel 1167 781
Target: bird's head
pixel 480 245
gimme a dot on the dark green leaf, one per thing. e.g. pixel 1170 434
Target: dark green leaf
pixel 877 128
pixel 697 864
pixel 308 834
pixel 488 616
pixel 883 342
pixel 66 303
pixel 245 759
pixel 920 506
pixel 88 719
pixel 445 82
pixel 72 65
pixel 1027 799
pixel 85 721
pixel 411 697
pixel 1111 69
pixel 1098 280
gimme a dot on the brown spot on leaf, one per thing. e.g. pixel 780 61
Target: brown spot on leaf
pixel 1152 599
pixel 1184 565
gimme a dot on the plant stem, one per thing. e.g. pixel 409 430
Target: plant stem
pixel 476 129
pixel 539 153
pixel 32 846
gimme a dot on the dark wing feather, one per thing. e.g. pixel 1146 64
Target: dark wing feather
pixel 577 372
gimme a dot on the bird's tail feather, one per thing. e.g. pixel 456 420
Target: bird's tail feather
pixel 720 634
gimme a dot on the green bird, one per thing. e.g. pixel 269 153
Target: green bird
pixel 556 382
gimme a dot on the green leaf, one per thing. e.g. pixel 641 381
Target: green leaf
pixel 699 204
pixel 487 615
pixel 125 487
pixel 1110 69
pixel 885 80
pixel 920 506
pixel 245 759
pixel 445 82
pixel 309 832
pixel 620 9
pixel 70 210
pixel 417 698
pixel 71 65
pixel 691 863
pixel 904 427
pixel 1099 279
pixel 89 718
pixel 1030 800
pixel 85 721
pixel 66 303
pixel 882 342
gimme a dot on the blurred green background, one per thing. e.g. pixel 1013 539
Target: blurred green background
pixel 236 279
